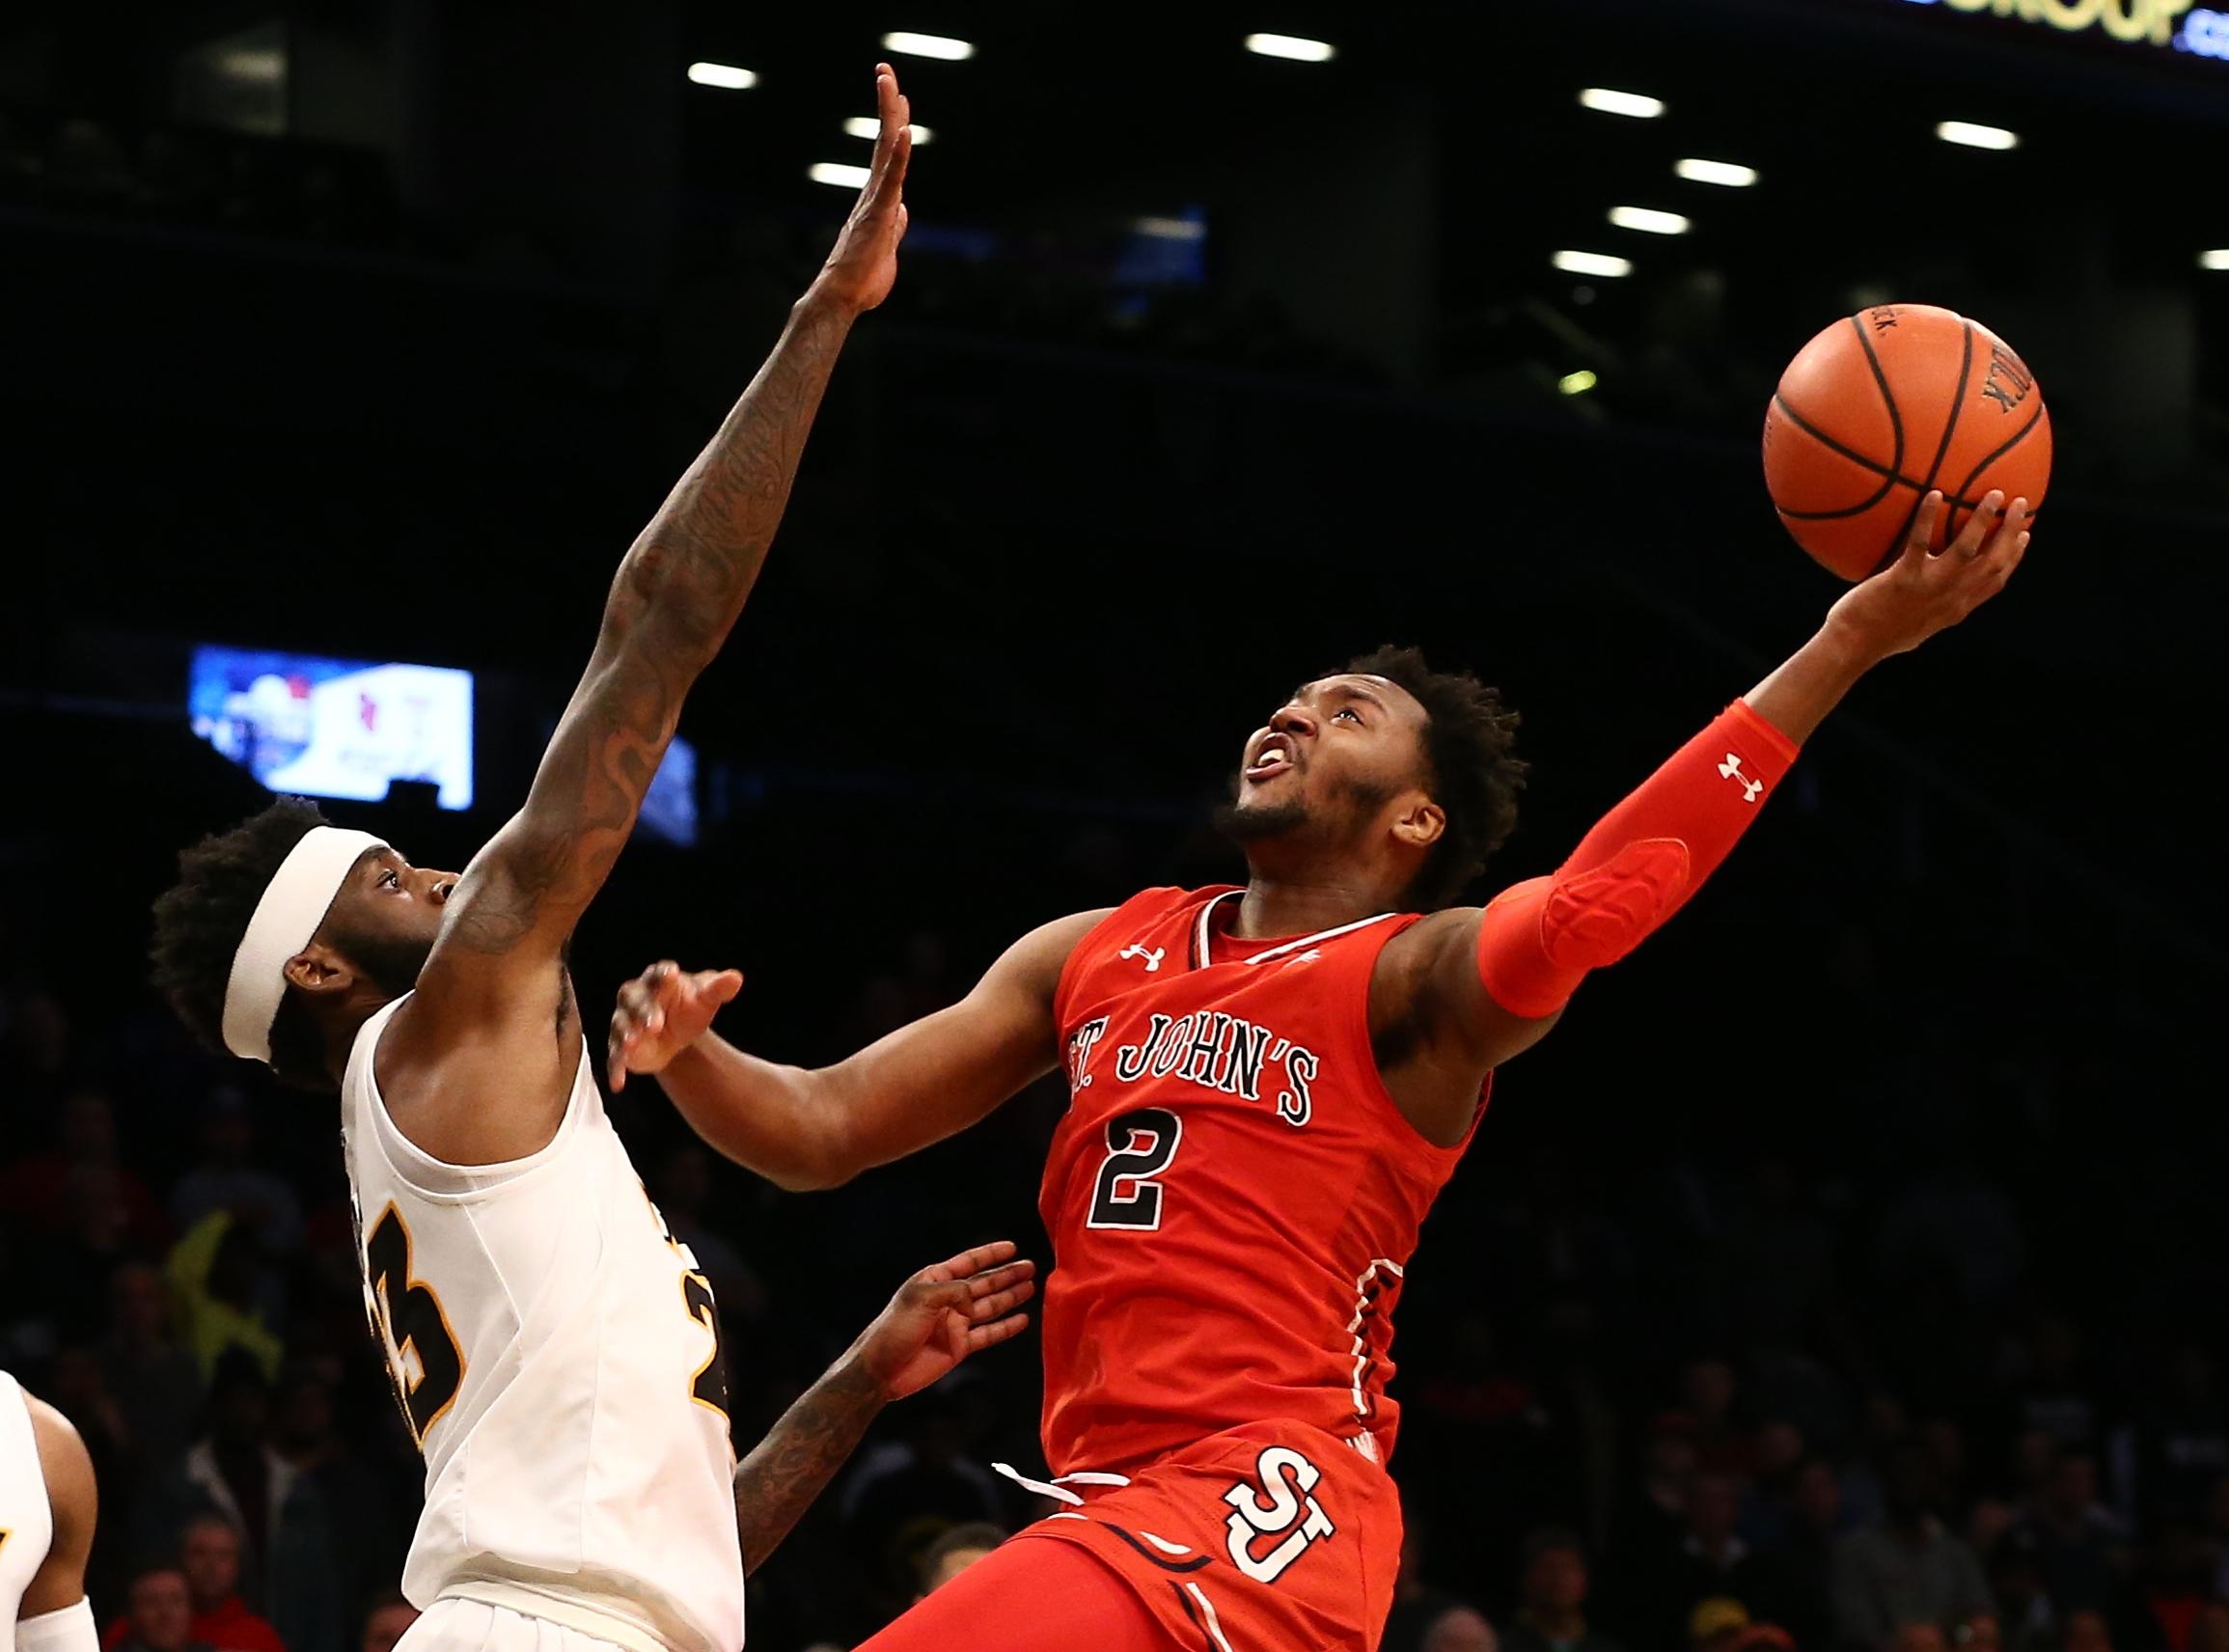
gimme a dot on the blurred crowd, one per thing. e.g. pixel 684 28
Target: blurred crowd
pixel 1716 1401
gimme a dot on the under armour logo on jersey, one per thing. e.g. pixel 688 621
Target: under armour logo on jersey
pixel 1731 769
pixel 1152 955
pixel 1307 957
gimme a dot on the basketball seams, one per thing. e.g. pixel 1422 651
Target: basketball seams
pixel 1887 397
pixel 1942 449
pixel 1827 467
pixel 2011 442
pixel 1891 478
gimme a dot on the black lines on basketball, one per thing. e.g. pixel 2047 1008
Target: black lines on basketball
pixel 2011 442
pixel 1889 477
pixel 1887 397
pixel 1949 425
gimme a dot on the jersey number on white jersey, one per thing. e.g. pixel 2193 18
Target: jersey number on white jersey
pixel 423 1359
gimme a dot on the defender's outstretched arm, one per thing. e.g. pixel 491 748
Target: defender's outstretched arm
pixel 1462 991
pixel 816 1127
pixel 674 600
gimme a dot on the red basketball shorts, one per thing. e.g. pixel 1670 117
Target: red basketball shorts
pixel 1267 1537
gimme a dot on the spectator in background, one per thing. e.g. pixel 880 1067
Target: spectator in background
pixel 2182 1445
pixel 684 1195
pixel 155 1383
pixel 1722 1446
pixel 2053 1395
pixel 1910 1569
pixel 368 1542
pixel 1715 1624
pixel 160 1618
pixel 1983 1632
pixel 287 1560
pixel 955 1551
pixel 2024 1614
pixel 2086 1632
pixel 383 1625
pixel 1552 1586
pixel 36 1191
pixel 1421 1610
pixel 2079 1548
pixel 2209 1629
pixel 1919 1638
pixel 226 1178
pixel 1459 1629
pixel 1810 1525
pixel 216 1276
pixel 209 1556
pixel 1712 1563
pixel 209 1562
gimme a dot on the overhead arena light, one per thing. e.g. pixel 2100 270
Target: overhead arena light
pixel 724 76
pixel 868 127
pixel 1294 46
pixel 2217 259
pixel 1977 137
pixel 1648 220
pixel 842 173
pixel 1731 174
pixel 1592 263
pixel 1638 104
pixel 1578 383
pixel 928 45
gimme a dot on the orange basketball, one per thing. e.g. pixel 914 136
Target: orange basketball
pixel 1881 407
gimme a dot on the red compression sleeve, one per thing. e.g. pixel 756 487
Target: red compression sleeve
pixel 1634 869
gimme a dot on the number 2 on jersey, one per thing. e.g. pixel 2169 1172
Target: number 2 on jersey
pixel 423 1359
pixel 1140 1145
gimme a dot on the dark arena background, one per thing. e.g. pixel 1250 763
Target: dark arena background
pixel 1869 1223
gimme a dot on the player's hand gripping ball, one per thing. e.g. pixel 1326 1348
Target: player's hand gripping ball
pixel 1886 406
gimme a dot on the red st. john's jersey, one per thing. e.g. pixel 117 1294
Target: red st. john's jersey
pixel 1233 1195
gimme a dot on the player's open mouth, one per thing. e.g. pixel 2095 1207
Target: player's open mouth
pixel 1272 760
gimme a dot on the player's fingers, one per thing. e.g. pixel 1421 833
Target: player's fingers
pixel 1918 542
pixel 983 1337
pixel 717 986
pixel 998 1306
pixel 973 1261
pixel 1979 526
pixel 636 995
pixel 999 1279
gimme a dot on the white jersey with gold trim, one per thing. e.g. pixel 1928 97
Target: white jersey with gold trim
pixel 26 1516
pixel 557 1356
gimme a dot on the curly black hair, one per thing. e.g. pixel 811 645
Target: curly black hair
pixel 1473 775
pixel 199 922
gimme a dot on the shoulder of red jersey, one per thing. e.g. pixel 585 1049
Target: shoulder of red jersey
pixel 1152 926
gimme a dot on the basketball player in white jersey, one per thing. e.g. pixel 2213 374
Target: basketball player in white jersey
pixel 556 1354
pixel 46 1509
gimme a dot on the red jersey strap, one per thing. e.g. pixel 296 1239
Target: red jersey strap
pixel 1137 915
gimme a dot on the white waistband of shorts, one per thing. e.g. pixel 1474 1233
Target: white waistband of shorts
pixel 606 1618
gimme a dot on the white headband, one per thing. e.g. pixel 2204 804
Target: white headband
pixel 293 906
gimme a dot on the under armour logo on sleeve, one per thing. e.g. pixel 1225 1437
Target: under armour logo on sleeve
pixel 1731 769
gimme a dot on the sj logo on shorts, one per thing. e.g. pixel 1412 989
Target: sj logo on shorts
pixel 1286 1512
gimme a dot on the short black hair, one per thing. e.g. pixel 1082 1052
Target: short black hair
pixel 968 1534
pixel 199 922
pixel 1473 773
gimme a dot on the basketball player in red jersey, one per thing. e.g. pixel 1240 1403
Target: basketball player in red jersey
pixel 1270 1086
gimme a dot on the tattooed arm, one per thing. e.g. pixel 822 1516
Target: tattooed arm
pixel 492 992
pixel 937 1319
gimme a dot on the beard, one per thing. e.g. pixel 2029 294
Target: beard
pixel 1244 824
pixel 392 963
